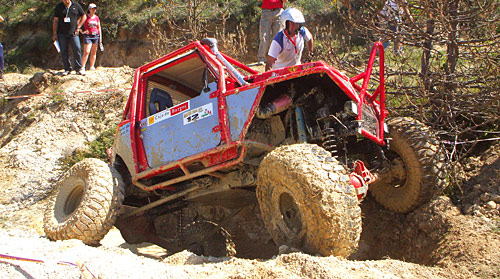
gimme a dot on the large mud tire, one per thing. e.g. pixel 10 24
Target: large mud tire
pixel 307 201
pixel 85 203
pixel 423 161
pixel 201 240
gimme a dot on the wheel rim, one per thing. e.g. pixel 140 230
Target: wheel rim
pixel 396 176
pixel 290 212
pixel 74 199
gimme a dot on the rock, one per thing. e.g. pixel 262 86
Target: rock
pixel 333 176
pixel 74 127
pixel 283 249
pixel 476 210
pixel 40 81
pixel 327 167
pixel 491 205
pixel 485 197
pixel 485 220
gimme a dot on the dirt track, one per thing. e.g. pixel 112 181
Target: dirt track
pixel 439 239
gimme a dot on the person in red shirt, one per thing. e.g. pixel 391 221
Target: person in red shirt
pixel 91 37
pixel 270 25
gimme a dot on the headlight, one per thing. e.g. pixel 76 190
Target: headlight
pixel 351 108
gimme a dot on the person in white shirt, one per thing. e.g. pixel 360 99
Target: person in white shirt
pixel 287 46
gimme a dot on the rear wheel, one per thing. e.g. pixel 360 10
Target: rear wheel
pixel 417 170
pixel 307 201
pixel 85 203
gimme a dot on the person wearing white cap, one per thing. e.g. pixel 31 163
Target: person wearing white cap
pixel 287 46
pixel 91 37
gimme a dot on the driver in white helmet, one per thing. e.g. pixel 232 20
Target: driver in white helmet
pixel 287 46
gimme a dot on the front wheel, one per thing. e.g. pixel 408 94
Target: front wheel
pixel 85 203
pixel 307 201
pixel 416 170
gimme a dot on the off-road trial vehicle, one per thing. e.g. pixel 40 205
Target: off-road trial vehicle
pixel 304 142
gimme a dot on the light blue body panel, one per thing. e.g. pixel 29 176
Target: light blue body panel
pixel 123 146
pixel 181 131
pixel 238 109
pixel 125 136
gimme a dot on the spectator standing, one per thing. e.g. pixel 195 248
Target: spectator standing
pixel 270 25
pixel 287 46
pixel 66 25
pixel 91 37
pixel 391 18
pixel 2 65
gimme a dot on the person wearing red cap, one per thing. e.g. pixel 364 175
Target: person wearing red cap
pixel 91 37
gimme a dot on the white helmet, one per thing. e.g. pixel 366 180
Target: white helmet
pixel 292 14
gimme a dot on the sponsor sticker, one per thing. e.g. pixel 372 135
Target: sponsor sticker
pixel 165 114
pixel 179 108
pixel 198 113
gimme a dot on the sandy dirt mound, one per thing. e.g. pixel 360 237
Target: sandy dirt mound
pixel 117 262
pixel 441 239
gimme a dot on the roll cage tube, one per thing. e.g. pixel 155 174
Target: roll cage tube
pixel 379 92
pixel 212 43
pixel 136 142
pixel 221 83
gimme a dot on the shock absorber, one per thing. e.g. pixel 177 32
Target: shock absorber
pixel 330 142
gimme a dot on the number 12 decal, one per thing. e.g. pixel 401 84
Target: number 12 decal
pixel 198 113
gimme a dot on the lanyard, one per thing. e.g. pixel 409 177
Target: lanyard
pixel 67 9
pixel 293 42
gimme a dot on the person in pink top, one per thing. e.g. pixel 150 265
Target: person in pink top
pixel 270 25
pixel 91 37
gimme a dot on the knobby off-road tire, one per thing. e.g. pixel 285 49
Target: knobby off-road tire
pixel 208 239
pixel 423 161
pixel 85 203
pixel 307 201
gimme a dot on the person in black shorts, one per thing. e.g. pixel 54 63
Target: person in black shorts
pixel 68 20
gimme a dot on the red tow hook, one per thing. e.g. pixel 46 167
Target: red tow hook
pixel 360 178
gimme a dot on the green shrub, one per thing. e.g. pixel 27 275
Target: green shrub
pixel 96 149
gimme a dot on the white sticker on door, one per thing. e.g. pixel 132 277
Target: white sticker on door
pixel 198 113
